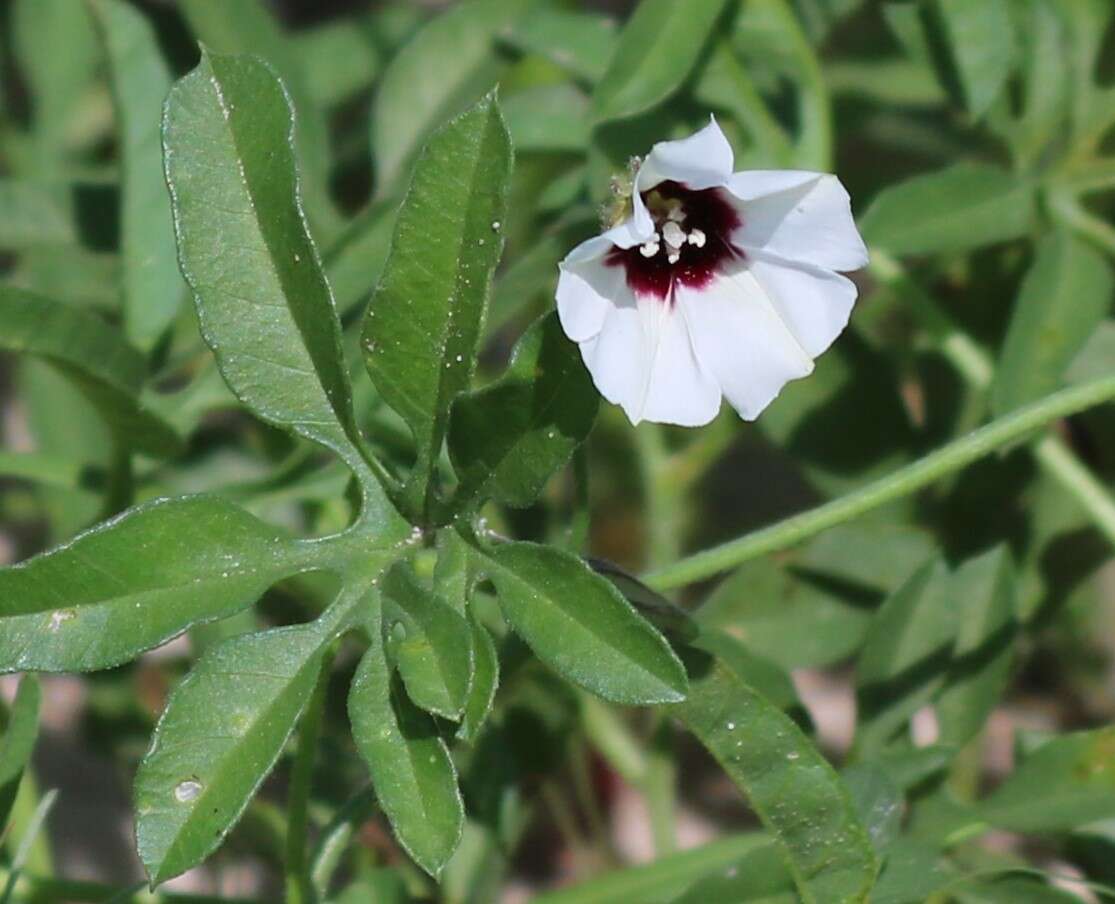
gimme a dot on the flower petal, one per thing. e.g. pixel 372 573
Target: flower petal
pixel 815 304
pixel 635 230
pixel 703 160
pixel 680 390
pixel 642 359
pixel 799 216
pixel 742 339
pixel 586 288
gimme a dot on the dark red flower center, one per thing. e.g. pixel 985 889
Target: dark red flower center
pixel 692 240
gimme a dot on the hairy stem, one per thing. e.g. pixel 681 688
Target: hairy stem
pixel 952 457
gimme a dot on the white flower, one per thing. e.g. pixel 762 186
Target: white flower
pixel 718 283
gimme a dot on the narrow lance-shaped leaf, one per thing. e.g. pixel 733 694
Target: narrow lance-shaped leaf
pixel 485 681
pixel 1063 299
pixel 414 778
pixel 920 216
pixel 93 356
pixel 153 286
pixel 508 438
pixel 36 213
pixel 249 27
pixel 794 791
pixel 429 641
pixel 657 49
pixel 264 304
pixel 580 42
pixel 581 626
pixel 17 743
pixel 449 64
pixel 223 728
pixel 1065 783
pixel 425 318
pixel 985 591
pixel 981 44
pixel 134 582
pixel 548 118
pixel 905 655
pixel 56 48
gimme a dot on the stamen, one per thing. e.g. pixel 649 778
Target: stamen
pixel 697 237
pixel 650 247
pixel 673 256
pixel 673 234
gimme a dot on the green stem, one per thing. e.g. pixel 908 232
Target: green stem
pixel 660 788
pixel 121 487
pixel 975 366
pixel 299 889
pixel 577 537
pixel 1059 462
pixel 661 496
pixel 590 803
pixel 956 455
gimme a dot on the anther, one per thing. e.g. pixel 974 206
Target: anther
pixel 650 248
pixel 696 237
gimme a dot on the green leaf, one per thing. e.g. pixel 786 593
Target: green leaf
pixel 581 626
pixel 582 43
pixel 94 357
pixel 20 733
pixel 425 319
pixel 981 43
pixel 56 48
pixel 985 590
pixel 548 118
pixel 248 27
pixel 339 59
pixel 36 213
pixel 726 85
pixel 152 285
pixel 445 68
pixel 134 582
pixel 427 638
pixel 262 299
pixel 1096 357
pixel 84 278
pixel 759 877
pixel 763 675
pixel 414 778
pixel 923 214
pixel 222 730
pixel 64 424
pixel 796 621
pixel 905 655
pixel 796 794
pixel 912 872
pixel 1065 783
pixel 507 439
pixel 1063 299
pixel 877 800
pixel 485 681
pixel 657 49
pixel 664 878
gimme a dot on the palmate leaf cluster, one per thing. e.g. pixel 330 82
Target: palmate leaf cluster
pixel 278 302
